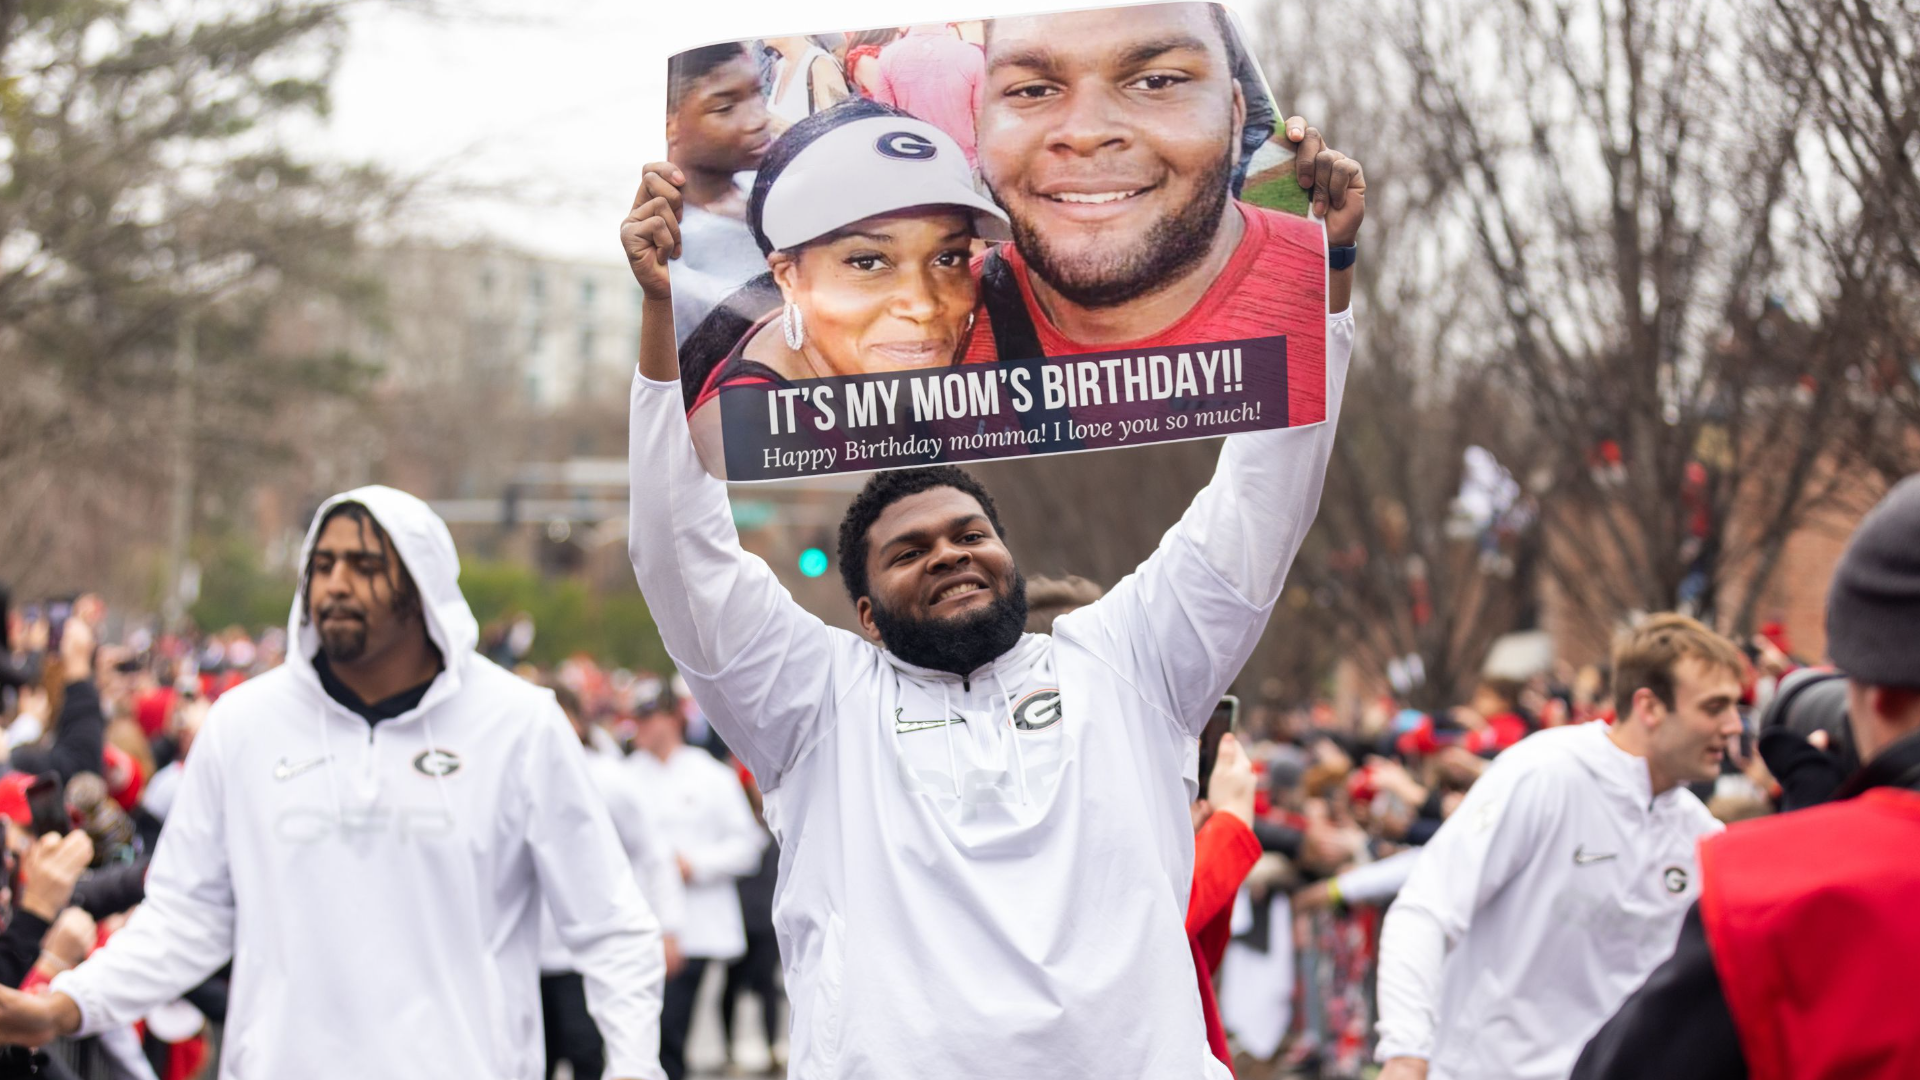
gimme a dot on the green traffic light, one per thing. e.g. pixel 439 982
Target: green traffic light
pixel 813 562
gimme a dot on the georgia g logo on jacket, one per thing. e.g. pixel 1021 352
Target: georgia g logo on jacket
pixel 1038 710
pixel 436 762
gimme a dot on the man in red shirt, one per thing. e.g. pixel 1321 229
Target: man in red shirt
pixel 1111 143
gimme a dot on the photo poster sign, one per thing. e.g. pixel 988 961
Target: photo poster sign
pixel 989 238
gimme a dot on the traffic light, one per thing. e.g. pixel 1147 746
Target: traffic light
pixel 813 562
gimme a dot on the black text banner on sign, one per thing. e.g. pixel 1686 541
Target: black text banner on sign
pixel 1006 409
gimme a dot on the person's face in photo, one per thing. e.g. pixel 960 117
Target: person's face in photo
pixel 721 124
pixel 1109 137
pixel 883 294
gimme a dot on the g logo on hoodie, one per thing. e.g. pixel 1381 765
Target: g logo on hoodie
pixel 436 763
pixel 1040 709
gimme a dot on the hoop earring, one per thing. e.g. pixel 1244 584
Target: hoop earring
pixel 793 326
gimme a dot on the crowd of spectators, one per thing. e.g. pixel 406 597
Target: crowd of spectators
pixel 101 713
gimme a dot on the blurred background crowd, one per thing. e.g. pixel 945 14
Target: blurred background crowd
pixel 101 709
pixel 1639 333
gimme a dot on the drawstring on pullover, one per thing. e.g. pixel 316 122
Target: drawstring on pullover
pixel 953 762
pixel 947 717
pixel 326 747
pixel 1013 735
pixel 439 777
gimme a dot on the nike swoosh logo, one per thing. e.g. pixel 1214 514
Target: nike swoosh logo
pixel 1581 858
pixel 901 727
pixel 284 771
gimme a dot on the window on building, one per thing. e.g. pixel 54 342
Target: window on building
pixel 537 286
pixel 586 293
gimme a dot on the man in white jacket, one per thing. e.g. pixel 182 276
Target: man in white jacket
pixel 712 839
pixel 367 832
pixel 1561 881
pixel 571 1033
pixel 985 843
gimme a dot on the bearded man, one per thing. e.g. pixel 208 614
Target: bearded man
pixel 985 844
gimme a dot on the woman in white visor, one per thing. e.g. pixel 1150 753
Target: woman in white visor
pixel 867 217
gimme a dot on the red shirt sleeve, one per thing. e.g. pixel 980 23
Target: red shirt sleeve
pixel 1224 852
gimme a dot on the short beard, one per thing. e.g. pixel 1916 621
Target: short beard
pixel 1173 246
pixel 345 646
pixel 962 644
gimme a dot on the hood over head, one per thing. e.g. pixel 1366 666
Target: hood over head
pixel 426 549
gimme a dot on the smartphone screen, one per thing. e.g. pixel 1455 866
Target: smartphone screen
pixel 58 612
pixel 49 807
pixel 1225 718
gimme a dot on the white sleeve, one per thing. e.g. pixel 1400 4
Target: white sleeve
pixel 760 665
pixel 732 849
pixel 648 852
pixel 1378 880
pixel 183 931
pixel 597 908
pixel 1181 626
pixel 1488 840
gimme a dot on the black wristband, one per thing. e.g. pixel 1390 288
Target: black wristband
pixel 1339 258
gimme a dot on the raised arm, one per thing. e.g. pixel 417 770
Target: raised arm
pixel 1182 625
pixel 760 665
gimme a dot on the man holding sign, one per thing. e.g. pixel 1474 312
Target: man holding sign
pixel 986 849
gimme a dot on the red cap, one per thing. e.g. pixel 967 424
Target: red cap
pixel 123 776
pixel 13 797
pixel 151 708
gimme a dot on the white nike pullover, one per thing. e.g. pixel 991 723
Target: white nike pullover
pixel 378 888
pixel 1002 895
pixel 1553 891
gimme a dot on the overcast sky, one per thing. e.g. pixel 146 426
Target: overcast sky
pixel 555 107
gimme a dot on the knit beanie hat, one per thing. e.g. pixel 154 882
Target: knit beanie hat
pixel 1873 610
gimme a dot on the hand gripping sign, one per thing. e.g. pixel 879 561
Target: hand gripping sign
pixel 985 239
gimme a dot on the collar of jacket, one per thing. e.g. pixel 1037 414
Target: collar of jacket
pixel 1897 766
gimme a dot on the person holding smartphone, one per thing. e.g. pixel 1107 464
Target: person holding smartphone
pixel 80 730
pixel 1224 851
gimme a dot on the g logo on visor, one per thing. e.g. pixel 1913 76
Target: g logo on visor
pixel 906 145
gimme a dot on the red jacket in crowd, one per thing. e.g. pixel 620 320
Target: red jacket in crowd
pixel 1810 919
pixel 1224 852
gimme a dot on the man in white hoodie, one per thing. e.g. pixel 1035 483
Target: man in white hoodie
pixel 985 844
pixel 1561 881
pixel 367 833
